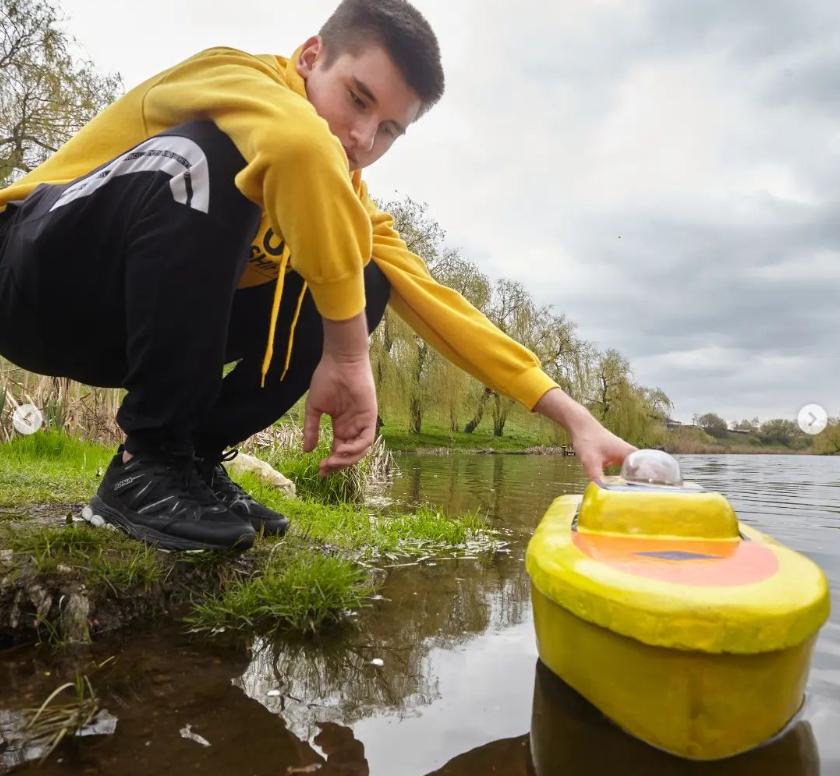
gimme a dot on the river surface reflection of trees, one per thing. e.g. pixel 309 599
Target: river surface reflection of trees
pixel 424 608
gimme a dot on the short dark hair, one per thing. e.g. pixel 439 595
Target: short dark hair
pixel 400 29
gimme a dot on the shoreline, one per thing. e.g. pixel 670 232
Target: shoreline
pixel 442 450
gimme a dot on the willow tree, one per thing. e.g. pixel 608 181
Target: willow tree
pixel 407 371
pixel 630 410
pixel 827 442
pixel 46 93
pixel 463 276
pixel 512 309
pixel 565 357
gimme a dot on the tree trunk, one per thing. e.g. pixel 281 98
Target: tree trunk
pixel 499 416
pixel 479 412
pixel 453 420
pixel 415 412
pixel 415 407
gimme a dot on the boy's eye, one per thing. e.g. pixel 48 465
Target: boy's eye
pixel 356 99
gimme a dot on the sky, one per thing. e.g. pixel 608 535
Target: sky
pixel 664 173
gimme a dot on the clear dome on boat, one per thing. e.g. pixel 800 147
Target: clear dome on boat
pixel 651 467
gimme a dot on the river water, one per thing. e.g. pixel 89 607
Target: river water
pixel 459 681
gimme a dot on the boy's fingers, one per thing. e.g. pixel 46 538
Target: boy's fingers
pixel 344 454
pixel 311 428
pixel 351 448
pixel 333 464
pixel 593 468
pixel 338 460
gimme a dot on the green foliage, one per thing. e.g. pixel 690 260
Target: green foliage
pixel 302 469
pixel 523 435
pixel 629 410
pixel 46 94
pixel 363 532
pixel 49 446
pixel 347 485
pixel 49 467
pixel 429 526
pixel 749 426
pixel 303 591
pixel 827 442
pixel 693 439
pixel 101 557
pixel 712 424
pixel 782 432
pixel 305 582
pixel 410 376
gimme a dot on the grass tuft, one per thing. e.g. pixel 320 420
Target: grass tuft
pixel 101 557
pixel 301 591
pixel 50 467
pixel 365 533
pixel 53 721
pixel 282 446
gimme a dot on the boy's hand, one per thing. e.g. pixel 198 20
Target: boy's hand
pixel 594 446
pixel 342 387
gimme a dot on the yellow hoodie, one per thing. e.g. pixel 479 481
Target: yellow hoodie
pixel 317 217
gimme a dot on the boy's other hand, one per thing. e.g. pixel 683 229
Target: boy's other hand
pixel 342 387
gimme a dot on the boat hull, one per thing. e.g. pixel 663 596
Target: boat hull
pixel 697 705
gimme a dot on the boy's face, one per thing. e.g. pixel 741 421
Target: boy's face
pixel 364 99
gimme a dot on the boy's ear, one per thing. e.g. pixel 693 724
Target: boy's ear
pixel 311 52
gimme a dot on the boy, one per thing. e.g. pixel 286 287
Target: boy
pixel 218 196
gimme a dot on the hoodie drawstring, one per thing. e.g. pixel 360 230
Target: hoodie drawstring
pixel 272 327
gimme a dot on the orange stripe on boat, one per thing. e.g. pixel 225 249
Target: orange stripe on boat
pixel 699 563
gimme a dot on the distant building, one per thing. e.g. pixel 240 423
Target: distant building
pixel 673 424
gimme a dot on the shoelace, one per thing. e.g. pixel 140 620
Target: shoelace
pixel 218 472
pixel 229 455
pixel 181 471
pixel 213 466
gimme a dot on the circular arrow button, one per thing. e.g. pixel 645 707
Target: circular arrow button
pixel 27 419
pixel 812 418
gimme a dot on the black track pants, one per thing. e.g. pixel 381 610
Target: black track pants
pixel 127 278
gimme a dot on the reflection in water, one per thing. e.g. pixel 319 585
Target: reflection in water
pixel 569 735
pixel 506 757
pixel 162 684
pixel 427 608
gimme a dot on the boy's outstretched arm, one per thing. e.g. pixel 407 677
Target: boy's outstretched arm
pixel 342 387
pixel 594 445
pixel 464 336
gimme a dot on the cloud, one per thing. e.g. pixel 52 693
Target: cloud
pixel 665 173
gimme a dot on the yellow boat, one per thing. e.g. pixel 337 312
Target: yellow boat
pixel 689 630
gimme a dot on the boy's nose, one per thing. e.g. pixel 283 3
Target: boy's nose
pixel 364 136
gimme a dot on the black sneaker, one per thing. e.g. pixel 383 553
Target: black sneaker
pixel 238 500
pixel 158 497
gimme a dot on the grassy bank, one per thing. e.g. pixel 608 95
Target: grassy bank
pixel 520 439
pixel 515 439
pixel 695 440
pixel 50 468
pixel 65 581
